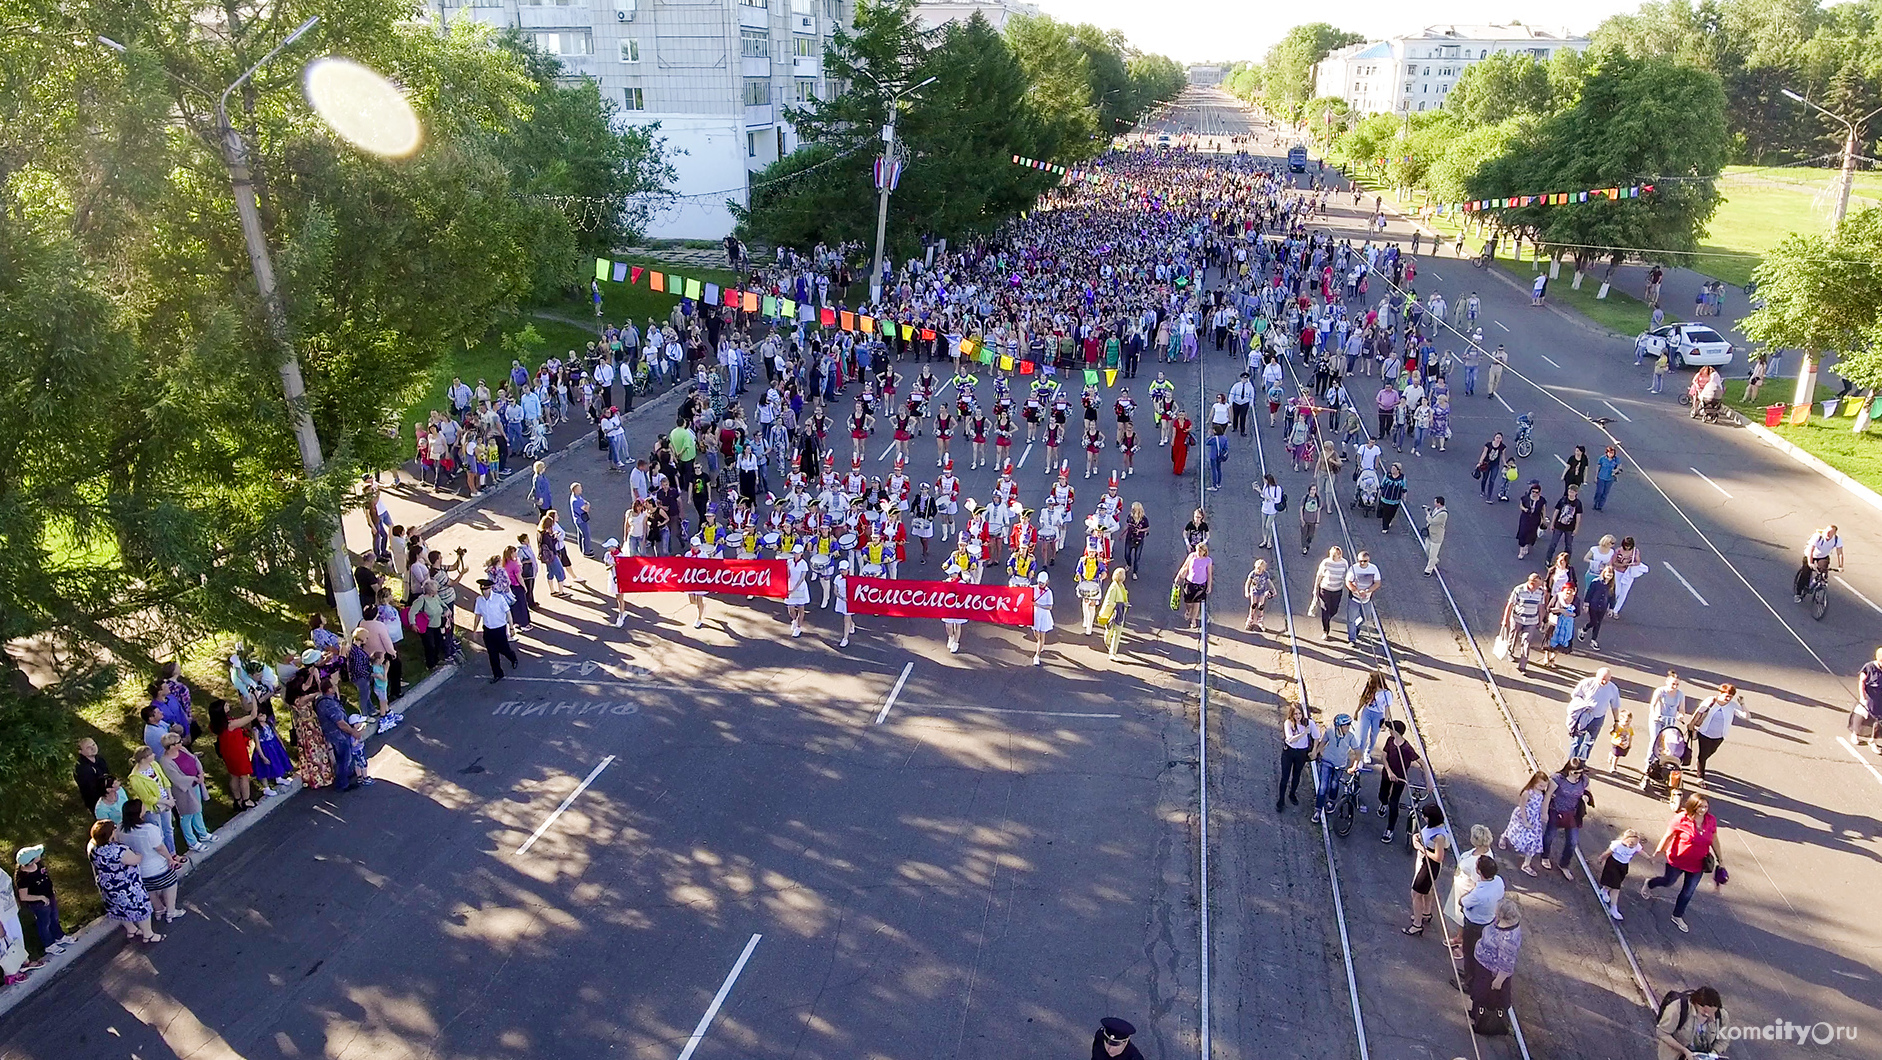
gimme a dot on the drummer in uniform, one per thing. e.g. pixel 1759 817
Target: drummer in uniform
pixel 712 534
pixel 854 483
pixel 899 484
pixel 1021 567
pixel 824 554
pixel 893 535
pixel 1088 574
pixel 1062 492
pixel 977 530
pixel 1110 509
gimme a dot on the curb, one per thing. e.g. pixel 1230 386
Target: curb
pixel 1856 489
pixel 100 930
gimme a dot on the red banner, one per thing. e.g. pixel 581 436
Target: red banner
pixel 685 574
pixel 913 599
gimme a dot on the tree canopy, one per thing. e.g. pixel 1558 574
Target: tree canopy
pixel 1287 69
pixel 1045 89
pixel 1823 292
pixel 152 489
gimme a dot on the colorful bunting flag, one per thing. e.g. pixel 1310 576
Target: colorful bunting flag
pixel 1110 377
pixel 633 275
pixel 1091 377
pixel 620 271
pixel 712 294
pixel 656 281
pixel 927 334
pixel 849 320
pixel 869 325
pixel 601 268
pixel 986 355
pixel 1025 367
pixel 1006 363
pixel 771 306
pixel 788 309
pixel 908 333
pixel 694 290
pixel 826 316
pixel 751 301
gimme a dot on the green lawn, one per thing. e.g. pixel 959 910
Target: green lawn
pixel 1763 205
pixel 1830 440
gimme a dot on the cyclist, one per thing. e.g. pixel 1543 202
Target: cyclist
pixel 1823 544
pixel 1338 750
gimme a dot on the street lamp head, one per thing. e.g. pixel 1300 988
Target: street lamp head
pixel 924 84
pixel 113 45
pixel 1792 95
pixel 300 31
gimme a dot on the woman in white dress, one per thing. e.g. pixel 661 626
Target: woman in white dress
pixel 842 603
pixel 1041 617
pixel 797 593
pixel 698 551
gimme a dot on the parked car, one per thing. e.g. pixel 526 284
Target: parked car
pixel 1686 344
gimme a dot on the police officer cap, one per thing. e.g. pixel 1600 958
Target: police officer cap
pixel 1116 1029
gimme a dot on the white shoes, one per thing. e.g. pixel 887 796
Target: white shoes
pixel 844 643
pixel 620 620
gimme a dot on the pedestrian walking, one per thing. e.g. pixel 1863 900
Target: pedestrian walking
pixel 1299 735
pixel 1258 588
pixel 1522 617
pixel 1217 452
pixel 1310 506
pixel 1865 718
pixel 1712 720
pixel 1564 520
pixel 1194 580
pixel 1499 360
pixel 1591 705
pixel 1690 1023
pixel 1567 808
pixel 1398 759
pixel 1691 849
pixel 1489 469
pixel 1523 833
pixel 1494 960
pixel 1330 588
pixel 1606 470
pixel 1362 583
pixel 1628 568
pixel 1273 498
pixel 1531 512
pixel 1391 496
pixel 1437 522
pixel 1428 846
pixel 1613 875
pixel 1113 1040
pixel 493 618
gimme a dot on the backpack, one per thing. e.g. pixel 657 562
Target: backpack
pixel 1281 505
pixel 1667 1000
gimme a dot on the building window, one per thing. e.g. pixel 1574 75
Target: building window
pixel 757 92
pixel 630 51
pixel 549 3
pixel 1427 71
pixel 634 100
pixel 756 3
pixel 751 145
pixel 1408 86
pixel 803 47
pixel 566 41
pixel 1483 53
pixel 833 9
pixel 803 7
pixel 806 90
pixel 754 44
pixel 1421 104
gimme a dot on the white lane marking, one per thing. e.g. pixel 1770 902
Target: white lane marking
pixel 1851 748
pixel 1548 358
pixel 1687 584
pixel 566 803
pixel 1559 460
pixel 1709 482
pixel 699 1032
pixel 1500 324
pixel 1859 596
pixel 1435 276
pixel 1022 457
pixel 886 452
pixel 1505 404
pixel 1008 710
pixel 1618 412
pixel 896 691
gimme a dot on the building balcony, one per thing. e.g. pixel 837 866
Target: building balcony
pixel 807 66
pixel 759 116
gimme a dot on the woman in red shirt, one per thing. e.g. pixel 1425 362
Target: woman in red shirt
pixel 1691 849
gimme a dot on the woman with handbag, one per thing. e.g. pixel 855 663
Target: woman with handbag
pixel 1195 579
pixel 1691 849
pixel 1566 808
pixel 1494 965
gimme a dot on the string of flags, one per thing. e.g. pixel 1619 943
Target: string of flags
pixel 776 307
pixel 1557 198
pixel 1094 176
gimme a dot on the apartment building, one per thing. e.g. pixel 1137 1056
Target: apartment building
pixel 933 13
pixel 717 75
pixel 1414 72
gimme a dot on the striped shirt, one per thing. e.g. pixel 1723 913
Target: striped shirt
pixel 1333 574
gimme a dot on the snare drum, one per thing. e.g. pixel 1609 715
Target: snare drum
pixel 1088 590
pixel 847 542
pixel 821 565
pixel 872 570
pixel 771 540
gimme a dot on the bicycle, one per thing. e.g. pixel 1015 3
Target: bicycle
pixel 1524 444
pixel 1817 594
pixel 1345 802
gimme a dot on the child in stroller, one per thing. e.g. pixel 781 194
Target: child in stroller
pixel 1665 765
pixel 1366 490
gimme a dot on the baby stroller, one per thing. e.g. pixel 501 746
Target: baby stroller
pixel 1666 763
pixel 1366 491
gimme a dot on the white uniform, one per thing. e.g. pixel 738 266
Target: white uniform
pixel 799 582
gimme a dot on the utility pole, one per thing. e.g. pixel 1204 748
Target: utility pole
pixel 891 153
pixel 1807 372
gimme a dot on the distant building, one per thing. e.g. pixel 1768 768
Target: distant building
pixel 1414 72
pixel 716 74
pixel 933 13
pixel 1208 73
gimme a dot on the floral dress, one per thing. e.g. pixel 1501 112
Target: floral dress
pixel 120 884
pixel 316 753
pixel 1524 833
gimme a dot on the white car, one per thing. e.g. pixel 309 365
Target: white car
pixel 1686 344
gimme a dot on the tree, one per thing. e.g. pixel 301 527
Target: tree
pixel 1287 77
pixel 1657 119
pixel 152 491
pixel 1244 81
pixel 1823 293
pixel 1501 87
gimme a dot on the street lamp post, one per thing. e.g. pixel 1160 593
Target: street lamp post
pixel 293 387
pixel 1807 373
pixel 890 151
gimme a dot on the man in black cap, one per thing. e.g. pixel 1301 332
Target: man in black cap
pixel 1113 1040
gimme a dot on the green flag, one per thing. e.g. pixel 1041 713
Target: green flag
pixel 602 267
pixel 986 355
pixel 1091 377
pixel 692 289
